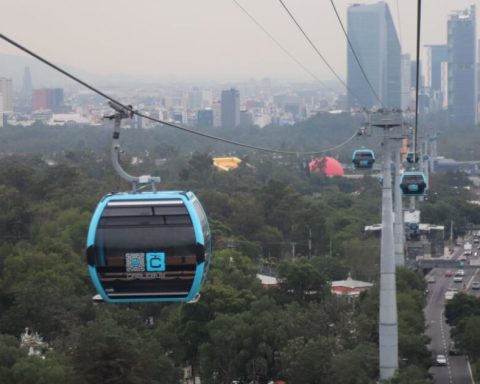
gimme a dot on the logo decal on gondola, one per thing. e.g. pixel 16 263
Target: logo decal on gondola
pixel 155 261
pixel 135 262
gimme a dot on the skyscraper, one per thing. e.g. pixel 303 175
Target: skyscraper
pixel 374 39
pixel 406 81
pixel 57 99
pixel 217 114
pixel 230 108
pixel 436 54
pixel 6 95
pixel 194 101
pixel 205 118
pixel 462 74
pixel 25 98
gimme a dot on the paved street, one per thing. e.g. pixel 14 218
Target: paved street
pixel 457 370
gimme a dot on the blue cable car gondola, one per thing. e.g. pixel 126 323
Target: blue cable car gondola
pixel 363 158
pixel 413 183
pixel 148 247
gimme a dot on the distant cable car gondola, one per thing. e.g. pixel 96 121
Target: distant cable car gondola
pixel 146 247
pixel 413 183
pixel 412 158
pixel 363 158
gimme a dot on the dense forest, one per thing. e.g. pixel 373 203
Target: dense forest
pixel 238 330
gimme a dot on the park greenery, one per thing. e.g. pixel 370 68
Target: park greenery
pixel 263 215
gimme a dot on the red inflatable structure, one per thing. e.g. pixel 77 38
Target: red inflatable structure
pixel 326 165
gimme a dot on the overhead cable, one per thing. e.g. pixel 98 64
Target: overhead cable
pixel 238 144
pixel 399 24
pixel 417 86
pixel 289 54
pixel 355 54
pixel 176 126
pixel 317 50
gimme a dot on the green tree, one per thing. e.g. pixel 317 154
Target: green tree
pixel 467 335
pixel 302 280
pixel 309 361
pixel 109 353
pixel 51 369
pixel 10 353
pixel 461 307
pixel 15 214
pixel 356 366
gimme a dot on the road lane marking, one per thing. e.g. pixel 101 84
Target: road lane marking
pixel 442 330
pixel 470 371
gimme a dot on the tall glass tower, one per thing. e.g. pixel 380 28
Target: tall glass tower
pixel 462 74
pixel 436 55
pixel 25 99
pixel 375 41
pixel 230 108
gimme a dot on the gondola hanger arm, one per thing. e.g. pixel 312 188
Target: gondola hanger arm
pixel 143 180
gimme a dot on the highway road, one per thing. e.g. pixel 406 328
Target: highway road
pixel 457 370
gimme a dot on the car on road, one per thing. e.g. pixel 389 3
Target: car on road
pixel 462 258
pixel 453 349
pixel 458 279
pixel 441 360
pixel 431 280
pixel 476 285
pixel 450 293
pixel 448 273
pixel 460 272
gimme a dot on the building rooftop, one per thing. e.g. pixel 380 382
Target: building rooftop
pixel 350 283
pixel 226 163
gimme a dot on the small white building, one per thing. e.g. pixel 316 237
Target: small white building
pixel 349 287
pixel 268 281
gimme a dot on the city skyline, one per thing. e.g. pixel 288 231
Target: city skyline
pixel 208 40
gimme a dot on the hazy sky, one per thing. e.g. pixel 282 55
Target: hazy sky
pixel 204 39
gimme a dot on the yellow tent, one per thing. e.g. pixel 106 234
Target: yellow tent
pixel 226 163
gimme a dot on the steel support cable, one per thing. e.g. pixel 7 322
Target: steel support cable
pixel 130 109
pixel 399 24
pixel 317 50
pixel 417 86
pixel 355 54
pixel 277 43
pixel 238 144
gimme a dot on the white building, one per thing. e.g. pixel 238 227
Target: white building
pixel 6 95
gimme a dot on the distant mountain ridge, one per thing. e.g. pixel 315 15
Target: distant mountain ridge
pixel 12 66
